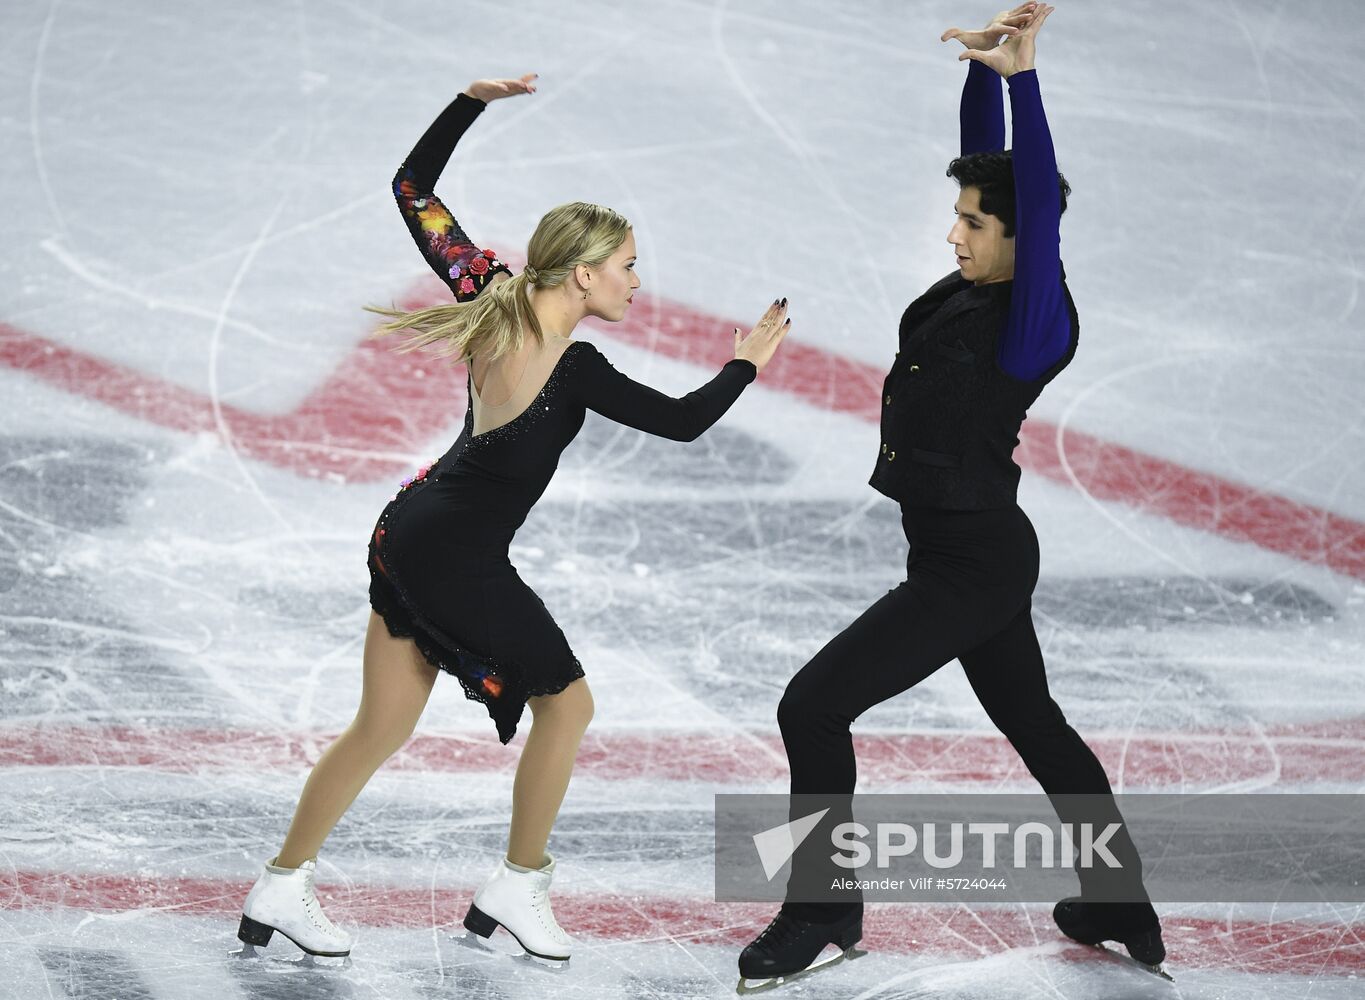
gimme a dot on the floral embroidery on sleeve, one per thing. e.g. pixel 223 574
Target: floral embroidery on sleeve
pixel 464 267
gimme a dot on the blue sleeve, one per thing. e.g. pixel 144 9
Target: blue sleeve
pixel 982 114
pixel 1039 329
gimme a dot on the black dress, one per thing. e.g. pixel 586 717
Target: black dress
pixel 438 556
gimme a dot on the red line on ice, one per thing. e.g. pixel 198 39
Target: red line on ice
pixel 379 408
pixel 936 932
pixel 1290 755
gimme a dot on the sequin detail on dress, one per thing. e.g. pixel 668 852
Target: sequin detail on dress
pixel 536 410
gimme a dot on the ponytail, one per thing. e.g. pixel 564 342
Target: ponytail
pixel 496 322
pixel 489 326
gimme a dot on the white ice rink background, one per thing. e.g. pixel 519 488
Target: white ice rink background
pixel 195 440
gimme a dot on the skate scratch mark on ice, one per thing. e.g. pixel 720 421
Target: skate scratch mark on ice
pixel 38 522
pixel 78 267
pixel 802 152
pixel 103 632
pixel 312 680
pixel 435 916
pixel 1129 734
pixel 608 156
pixel 1059 439
pixel 527 107
pixel 215 346
pixel 204 263
pixel 823 34
pixel 1045 969
pixel 35 132
pixel 1340 406
pixel 945 927
pixel 748 741
pixel 952 977
pixel 220 676
pixel 1259 782
pixel 277 236
pixel 1256 49
pixel 661 935
pixel 1043 978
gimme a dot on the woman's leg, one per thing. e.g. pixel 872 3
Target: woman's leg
pixel 558 724
pixel 397 683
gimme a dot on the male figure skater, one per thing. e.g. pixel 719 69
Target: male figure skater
pixel 976 350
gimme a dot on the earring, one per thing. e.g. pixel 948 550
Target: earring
pixel 586 294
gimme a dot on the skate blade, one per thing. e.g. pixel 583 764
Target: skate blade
pixel 1156 970
pixel 329 963
pixel 764 985
pixel 504 945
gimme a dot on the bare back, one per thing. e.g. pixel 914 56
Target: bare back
pixel 503 389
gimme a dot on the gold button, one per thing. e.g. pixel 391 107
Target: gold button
pixel 891 457
pixel 883 447
pixel 888 399
pixel 914 368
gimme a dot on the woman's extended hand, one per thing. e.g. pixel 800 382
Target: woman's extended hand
pixel 761 343
pixel 1007 22
pixel 1016 53
pixel 491 90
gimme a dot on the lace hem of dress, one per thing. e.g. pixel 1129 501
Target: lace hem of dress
pixel 501 687
pixel 506 708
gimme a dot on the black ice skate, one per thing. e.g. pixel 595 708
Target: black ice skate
pixel 788 946
pixel 1133 925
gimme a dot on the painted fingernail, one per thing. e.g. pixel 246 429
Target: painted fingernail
pixel 784 302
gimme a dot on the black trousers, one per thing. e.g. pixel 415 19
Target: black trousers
pixel 967 595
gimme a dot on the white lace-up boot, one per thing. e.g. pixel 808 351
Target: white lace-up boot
pixel 519 899
pixel 283 900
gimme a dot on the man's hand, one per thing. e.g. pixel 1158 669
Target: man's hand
pixel 491 90
pixel 1007 22
pixel 1016 53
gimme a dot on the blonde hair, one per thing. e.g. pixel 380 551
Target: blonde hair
pixel 495 322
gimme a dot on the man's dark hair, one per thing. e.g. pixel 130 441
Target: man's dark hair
pixel 993 175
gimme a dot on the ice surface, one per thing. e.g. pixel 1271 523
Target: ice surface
pixel 197 206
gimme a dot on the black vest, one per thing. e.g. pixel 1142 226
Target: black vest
pixel 950 414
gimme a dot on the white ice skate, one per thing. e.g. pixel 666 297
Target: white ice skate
pixel 283 900
pixel 519 902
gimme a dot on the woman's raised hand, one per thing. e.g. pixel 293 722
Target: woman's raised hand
pixel 1016 53
pixel 491 90
pixel 761 343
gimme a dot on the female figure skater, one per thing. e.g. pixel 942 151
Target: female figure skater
pixel 443 592
pixel 976 350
